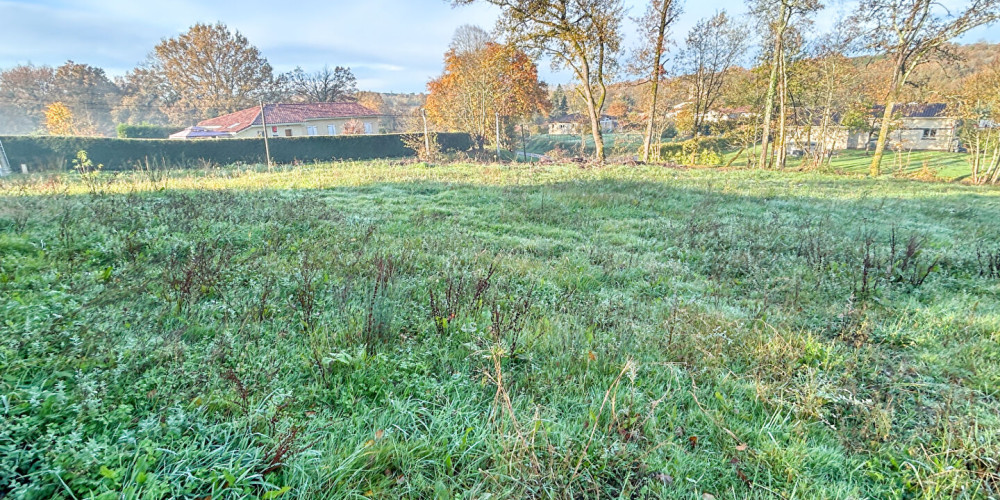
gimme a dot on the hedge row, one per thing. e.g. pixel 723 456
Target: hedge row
pixel 145 131
pixel 47 153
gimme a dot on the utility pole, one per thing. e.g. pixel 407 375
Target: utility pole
pixel 427 138
pixel 498 136
pixel 267 147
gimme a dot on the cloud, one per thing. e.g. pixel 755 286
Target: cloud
pixel 392 45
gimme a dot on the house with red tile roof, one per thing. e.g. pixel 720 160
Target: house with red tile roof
pixel 295 120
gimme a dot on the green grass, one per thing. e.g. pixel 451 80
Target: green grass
pixel 941 165
pixel 657 332
pixel 615 144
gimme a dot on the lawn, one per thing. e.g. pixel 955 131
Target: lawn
pixel 386 330
pixel 615 144
pixel 939 165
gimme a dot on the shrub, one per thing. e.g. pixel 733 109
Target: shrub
pixel 124 154
pixel 145 131
pixel 696 151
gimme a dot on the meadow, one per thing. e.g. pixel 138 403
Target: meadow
pixel 923 165
pixel 405 330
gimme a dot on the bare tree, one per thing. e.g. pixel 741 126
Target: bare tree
pixel 582 35
pixel 469 38
pixel 979 103
pixel 778 17
pixel 653 28
pixel 907 32
pixel 325 85
pixel 711 50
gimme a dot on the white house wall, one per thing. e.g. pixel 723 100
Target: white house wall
pixel 302 129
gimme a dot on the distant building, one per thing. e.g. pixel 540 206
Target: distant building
pixel 571 124
pixel 728 114
pixel 922 127
pixel 295 120
pixel 916 126
pixel 720 115
pixel 198 133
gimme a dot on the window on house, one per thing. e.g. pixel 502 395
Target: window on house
pixel 331 130
pixel 930 133
pixel 288 132
pixel 311 131
pixel 368 128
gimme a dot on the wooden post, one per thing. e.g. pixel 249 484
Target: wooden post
pixel 498 136
pixel 427 138
pixel 524 144
pixel 267 147
pixel 5 168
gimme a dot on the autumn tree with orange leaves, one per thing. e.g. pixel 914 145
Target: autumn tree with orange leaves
pixel 480 80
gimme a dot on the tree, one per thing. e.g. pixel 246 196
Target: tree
pixel 25 91
pixel 979 104
pixel 353 127
pixel 469 38
pixel 825 87
pixel 653 28
pixel 560 107
pixel 480 84
pixel 59 120
pixel 210 70
pixel 325 85
pixel 711 50
pixel 88 93
pixel 907 32
pixel 145 97
pixel 778 16
pixel 582 35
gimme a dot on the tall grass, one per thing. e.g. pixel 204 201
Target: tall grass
pixel 383 330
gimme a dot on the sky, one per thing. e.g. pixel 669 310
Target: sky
pixel 390 45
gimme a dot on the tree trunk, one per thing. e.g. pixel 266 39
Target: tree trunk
pixel 651 123
pixel 781 147
pixel 898 79
pixel 595 126
pixel 593 110
pixel 769 100
pixel 875 168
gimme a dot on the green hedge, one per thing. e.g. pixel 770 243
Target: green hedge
pixel 145 131
pixel 46 153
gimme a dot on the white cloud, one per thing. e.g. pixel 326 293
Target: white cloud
pixel 393 45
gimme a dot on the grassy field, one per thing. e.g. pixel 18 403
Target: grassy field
pixel 939 165
pixel 615 144
pixel 376 330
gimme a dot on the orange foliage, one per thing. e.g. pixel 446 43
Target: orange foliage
pixel 476 85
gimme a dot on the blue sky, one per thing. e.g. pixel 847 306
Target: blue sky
pixel 392 45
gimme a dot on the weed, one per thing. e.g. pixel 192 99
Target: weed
pixel 196 271
pixel 461 293
pixel 988 260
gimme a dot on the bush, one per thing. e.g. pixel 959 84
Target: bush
pixel 145 131
pixel 696 151
pixel 124 154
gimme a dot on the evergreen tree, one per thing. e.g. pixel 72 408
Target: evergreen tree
pixel 560 106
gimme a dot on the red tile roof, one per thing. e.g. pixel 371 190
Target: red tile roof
pixel 281 114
